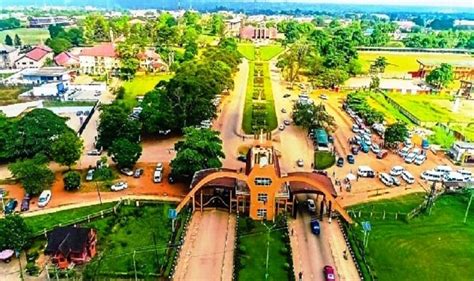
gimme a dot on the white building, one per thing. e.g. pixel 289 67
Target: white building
pixel 8 56
pixel 462 152
pixel 35 58
pixel 99 60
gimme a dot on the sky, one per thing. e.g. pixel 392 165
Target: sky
pixel 445 3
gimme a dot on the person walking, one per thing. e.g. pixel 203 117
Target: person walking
pixel 300 276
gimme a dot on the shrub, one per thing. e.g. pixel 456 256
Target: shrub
pixel 32 269
pixel 72 181
pixel 104 174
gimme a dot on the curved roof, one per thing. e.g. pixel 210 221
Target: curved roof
pixel 323 181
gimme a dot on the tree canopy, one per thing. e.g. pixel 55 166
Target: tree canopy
pixel 441 76
pixel 125 153
pixel 115 123
pixel 15 233
pixel 67 149
pixel 395 133
pixel 309 115
pixel 33 174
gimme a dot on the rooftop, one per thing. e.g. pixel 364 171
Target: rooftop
pixel 65 58
pixel 102 50
pixel 46 71
pixel 38 52
pixel 461 63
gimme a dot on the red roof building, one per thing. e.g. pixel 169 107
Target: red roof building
pixel 35 58
pixel 254 33
pixel 102 50
pixel 151 61
pixel 66 59
pixel 99 60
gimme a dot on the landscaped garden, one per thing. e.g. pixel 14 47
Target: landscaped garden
pixel 142 84
pixel 323 160
pixel 434 246
pixel 251 256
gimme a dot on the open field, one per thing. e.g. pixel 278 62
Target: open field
pixel 268 52
pixel 401 63
pixel 29 36
pixel 435 108
pixel 377 101
pixel 142 84
pixel 428 247
pixel 253 250
pixel 9 95
pixel 247 50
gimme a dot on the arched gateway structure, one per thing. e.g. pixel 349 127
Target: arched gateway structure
pixel 260 190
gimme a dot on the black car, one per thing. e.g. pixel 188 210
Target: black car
pixel 330 139
pixel 355 150
pixel 242 158
pixel 171 179
pixel 350 159
pixel 10 206
pixel 25 203
pixel 286 95
pixel 340 162
pixel 138 173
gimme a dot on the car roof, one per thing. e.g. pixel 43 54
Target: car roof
pixel 397 167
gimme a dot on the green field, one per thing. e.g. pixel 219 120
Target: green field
pixel 435 108
pixel 392 115
pixel 402 63
pixel 247 116
pixel 247 50
pixel 142 84
pixel 268 52
pixel 253 238
pixel 38 223
pixel 323 160
pixel 29 36
pixel 429 247
pixel 9 95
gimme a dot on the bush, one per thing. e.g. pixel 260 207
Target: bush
pixel 323 160
pixel 104 174
pixel 72 181
pixel 32 269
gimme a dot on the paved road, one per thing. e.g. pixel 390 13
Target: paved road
pixel 207 253
pixel 312 252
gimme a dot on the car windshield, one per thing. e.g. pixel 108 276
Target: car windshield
pixel 42 199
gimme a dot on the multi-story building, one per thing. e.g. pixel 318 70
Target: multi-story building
pixel 99 60
pixel 42 22
pixel 8 56
pixel 66 59
pixel 256 33
pixel 151 61
pixel 35 58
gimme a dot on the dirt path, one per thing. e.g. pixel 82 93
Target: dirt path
pixel 207 253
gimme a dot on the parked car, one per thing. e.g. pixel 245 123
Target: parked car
pixel 159 166
pixel 10 206
pixel 44 198
pixel 410 158
pixel 283 110
pixel 443 169
pixel 300 163
pixel 404 151
pixel 242 158
pixel 375 148
pixel 396 181
pixel 323 97
pixel 157 176
pixel 340 162
pixel 138 173
pixel 350 159
pixel 126 171
pixel 396 170
pixel 330 139
pixel 355 128
pixel 315 227
pixel 408 177
pixel 287 122
pixel 367 139
pixel 365 171
pixel 6 255
pixel 432 175
pixel 25 203
pixel 95 152
pixel 311 205
pixel 281 127
pixel 386 179
pixel 420 159
pixel 382 154
pixel 355 150
pixel 171 179
pixel 364 147
pixel 90 175
pixel 286 95
pixel 329 273
pixel 121 185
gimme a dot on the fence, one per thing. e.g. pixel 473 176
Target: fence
pixel 380 215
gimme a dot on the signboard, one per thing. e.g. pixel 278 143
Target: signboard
pixel 366 226
pixel 172 213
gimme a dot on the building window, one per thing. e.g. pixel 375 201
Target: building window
pixel 262 213
pixel 262 197
pixel 263 181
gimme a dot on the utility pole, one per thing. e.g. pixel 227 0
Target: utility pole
pixel 269 229
pixel 468 206
pixel 98 193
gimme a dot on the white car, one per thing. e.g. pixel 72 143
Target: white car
pixel 420 159
pixel 281 127
pixel 300 163
pixel 410 158
pixel 386 179
pixel 397 170
pixel 159 166
pixel 406 176
pixel 311 205
pixel 355 128
pixel 44 198
pixel 121 185
pixel 404 151
pixel 375 148
pixel 432 175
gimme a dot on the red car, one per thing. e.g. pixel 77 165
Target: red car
pixel 329 273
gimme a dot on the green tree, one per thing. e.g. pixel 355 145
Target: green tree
pixel 67 149
pixel 15 233
pixel 309 115
pixel 72 180
pixel 115 124
pixel 8 40
pixel 217 25
pixel 129 62
pixel 55 30
pixel 395 133
pixel 58 44
pixel 441 76
pixel 125 153
pixel 33 174
pixel 18 42
pixel 380 64
pixel 200 149
pixel 294 59
pixel 374 82
pixel 331 78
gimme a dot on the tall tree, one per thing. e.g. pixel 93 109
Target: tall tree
pixel 309 115
pixel 395 133
pixel 67 149
pixel 8 40
pixel 125 153
pixel 33 174
pixel 115 124
pixel 58 44
pixel 18 42
pixel 201 149
pixel 441 76
pixel 380 64
pixel 129 62
pixel 15 232
pixel 294 59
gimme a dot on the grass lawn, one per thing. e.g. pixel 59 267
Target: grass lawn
pixel 9 95
pixel 323 160
pixel 429 247
pixel 247 50
pixel 401 63
pixel 38 223
pixel 247 116
pixel 402 204
pixel 140 85
pixel 268 52
pixel 27 35
pixel 392 115
pixel 435 108
pixel 466 130
pixel 134 229
pixel 272 121
pixel 5 75
pixel 253 250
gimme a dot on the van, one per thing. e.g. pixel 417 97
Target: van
pixel 365 171
pixel 404 151
pixel 432 175
pixel 367 139
pixel 466 173
pixel 386 179
pixel 406 176
pixel 443 169
pixel 454 177
pixel 420 159
pixel 355 128
pixel 157 176
pixel 382 154
pixel 408 143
